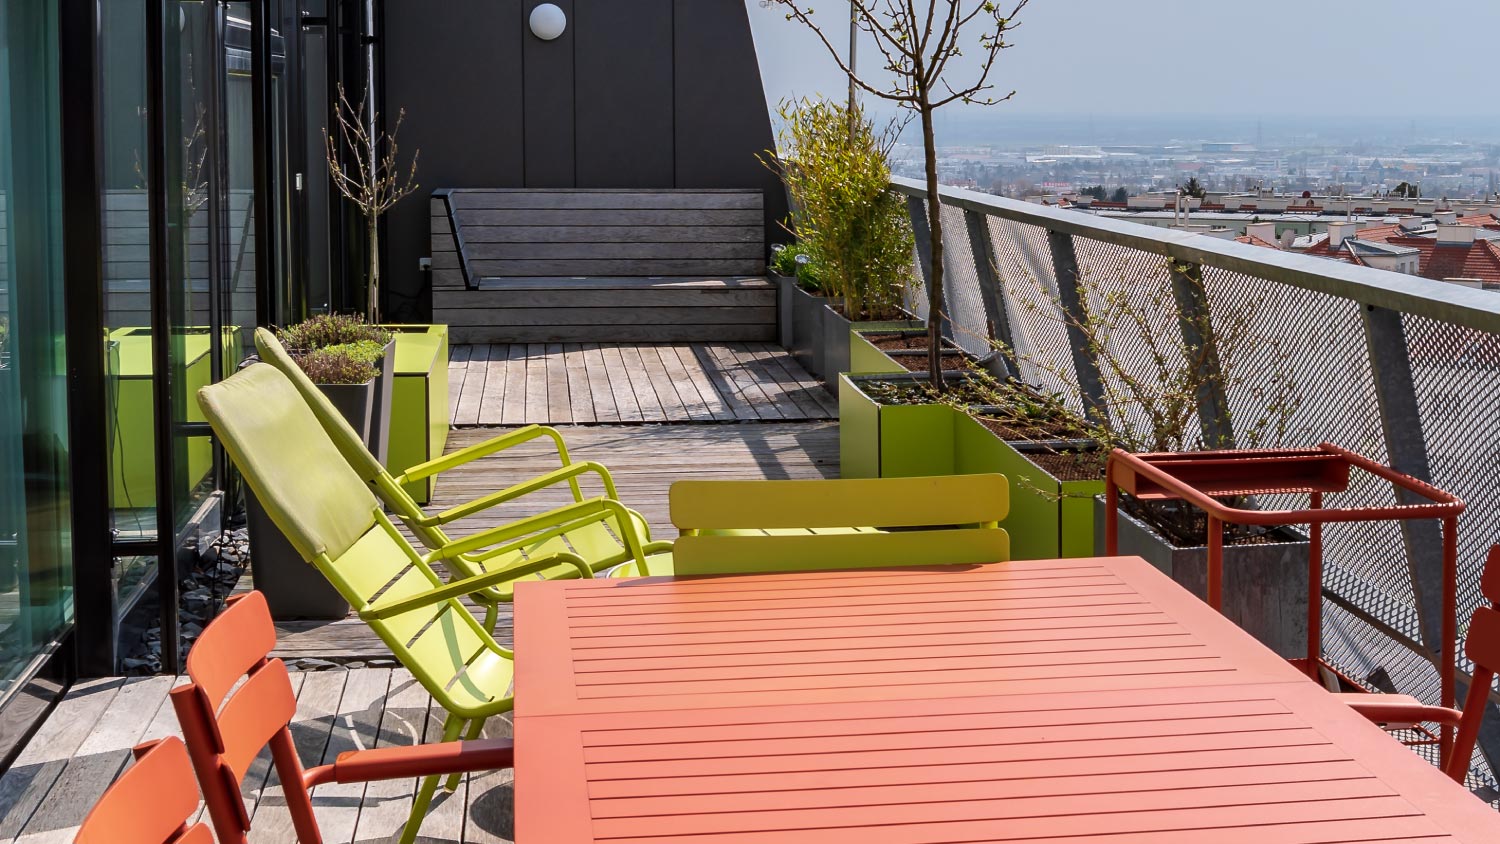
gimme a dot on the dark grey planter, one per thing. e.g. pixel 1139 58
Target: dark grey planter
pixel 378 437
pixel 836 329
pixel 294 589
pixel 1265 586
pixel 807 328
pixel 785 285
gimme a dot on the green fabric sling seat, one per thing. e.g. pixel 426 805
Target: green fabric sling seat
pixel 602 545
pixel 733 527
pixel 335 522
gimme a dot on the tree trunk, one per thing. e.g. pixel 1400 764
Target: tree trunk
pixel 372 290
pixel 935 276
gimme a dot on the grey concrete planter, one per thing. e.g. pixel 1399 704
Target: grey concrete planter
pixel 293 587
pixel 805 324
pixel 1265 586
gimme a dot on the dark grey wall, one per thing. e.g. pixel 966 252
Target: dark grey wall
pixel 636 93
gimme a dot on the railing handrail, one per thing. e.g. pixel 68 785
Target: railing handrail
pixel 1478 309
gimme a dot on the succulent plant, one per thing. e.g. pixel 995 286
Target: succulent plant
pixel 339 364
pixel 325 330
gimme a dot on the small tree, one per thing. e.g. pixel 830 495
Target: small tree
pixel 1120 195
pixel 917 41
pixel 1097 192
pixel 369 177
pixel 1194 188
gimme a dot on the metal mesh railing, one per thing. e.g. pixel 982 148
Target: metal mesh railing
pixel 1317 366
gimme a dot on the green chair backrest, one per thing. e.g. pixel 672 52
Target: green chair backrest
pixel 334 521
pixel 760 526
pixel 347 440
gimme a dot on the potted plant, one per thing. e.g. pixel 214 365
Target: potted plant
pixel 336 347
pixel 799 304
pixel 348 374
pixel 850 226
pixel 917 45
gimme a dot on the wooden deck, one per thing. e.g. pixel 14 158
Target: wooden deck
pixel 87 740
pixel 603 383
pixel 644 462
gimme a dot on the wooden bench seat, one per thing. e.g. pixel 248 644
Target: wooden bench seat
pixel 524 265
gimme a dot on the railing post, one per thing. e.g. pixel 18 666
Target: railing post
pixel 995 315
pixel 917 209
pixel 1195 319
pixel 1406 447
pixel 1069 294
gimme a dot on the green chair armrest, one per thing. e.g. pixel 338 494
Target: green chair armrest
pixel 524 530
pixel 438 465
pixel 479 583
pixel 552 478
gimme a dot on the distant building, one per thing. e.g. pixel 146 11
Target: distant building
pixel 1461 250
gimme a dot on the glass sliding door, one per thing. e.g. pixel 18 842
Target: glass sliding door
pixel 36 606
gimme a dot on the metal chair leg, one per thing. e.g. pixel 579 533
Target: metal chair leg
pixel 476 728
pixel 451 728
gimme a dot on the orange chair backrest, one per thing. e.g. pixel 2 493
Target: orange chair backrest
pixel 226 727
pixel 151 803
pixel 1482 646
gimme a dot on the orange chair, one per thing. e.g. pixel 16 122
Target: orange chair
pixel 1482 646
pixel 151 803
pixel 226 727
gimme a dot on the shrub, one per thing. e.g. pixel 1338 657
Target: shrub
pixel 325 330
pixel 847 218
pixel 796 260
pixel 340 364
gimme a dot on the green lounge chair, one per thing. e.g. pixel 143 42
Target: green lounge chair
pixel 602 545
pixel 336 523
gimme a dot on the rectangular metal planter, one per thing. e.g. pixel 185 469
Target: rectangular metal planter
pixel 802 324
pixel 419 405
pixel 891 441
pixel 865 358
pixel 838 334
pixel 1049 518
pixel 1265 586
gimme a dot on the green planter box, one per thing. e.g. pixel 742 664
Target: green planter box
pixel 1049 518
pixel 865 358
pixel 838 341
pixel 419 402
pixel 892 441
pixel 130 368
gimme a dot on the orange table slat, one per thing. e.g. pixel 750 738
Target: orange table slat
pixel 1059 700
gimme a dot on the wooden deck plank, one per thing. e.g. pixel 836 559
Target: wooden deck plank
pixel 387 803
pixel 496 368
pixel 674 407
pixel 492 805
pixel 316 707
pixel 466 412
pixel 693 403
pixel 767 381
pixel 580 396
pixel 806 386
pixel 721 408
pixel 559 405
pixel 355 727
pixel 536 383
pixel 619 384
pixel 766 362
pixel 458 370
pixel 653 406
pixel 605 409
pixel 514 412
pixel 734 383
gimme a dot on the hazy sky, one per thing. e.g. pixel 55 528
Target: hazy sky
pixel 1330 58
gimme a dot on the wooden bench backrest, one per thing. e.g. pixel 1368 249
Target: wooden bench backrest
pixel 531 233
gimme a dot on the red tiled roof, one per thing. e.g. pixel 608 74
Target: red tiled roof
pixel 1480 259
pixel 1253 240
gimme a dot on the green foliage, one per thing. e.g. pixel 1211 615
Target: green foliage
pixel 1120 195
pixel 1194 188
pixel 1096 191
pixel 350 363
pixel 796 260
pixel 853 227
pixel 4 334
pixel 325 330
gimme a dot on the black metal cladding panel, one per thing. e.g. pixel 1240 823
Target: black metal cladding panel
pixel 624 108
pixel 549 103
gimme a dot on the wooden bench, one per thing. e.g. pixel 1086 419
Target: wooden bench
pixel 566 265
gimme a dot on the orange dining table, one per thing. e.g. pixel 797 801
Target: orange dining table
pixel 1086 700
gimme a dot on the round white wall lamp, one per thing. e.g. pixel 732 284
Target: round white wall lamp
pixel 548 21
